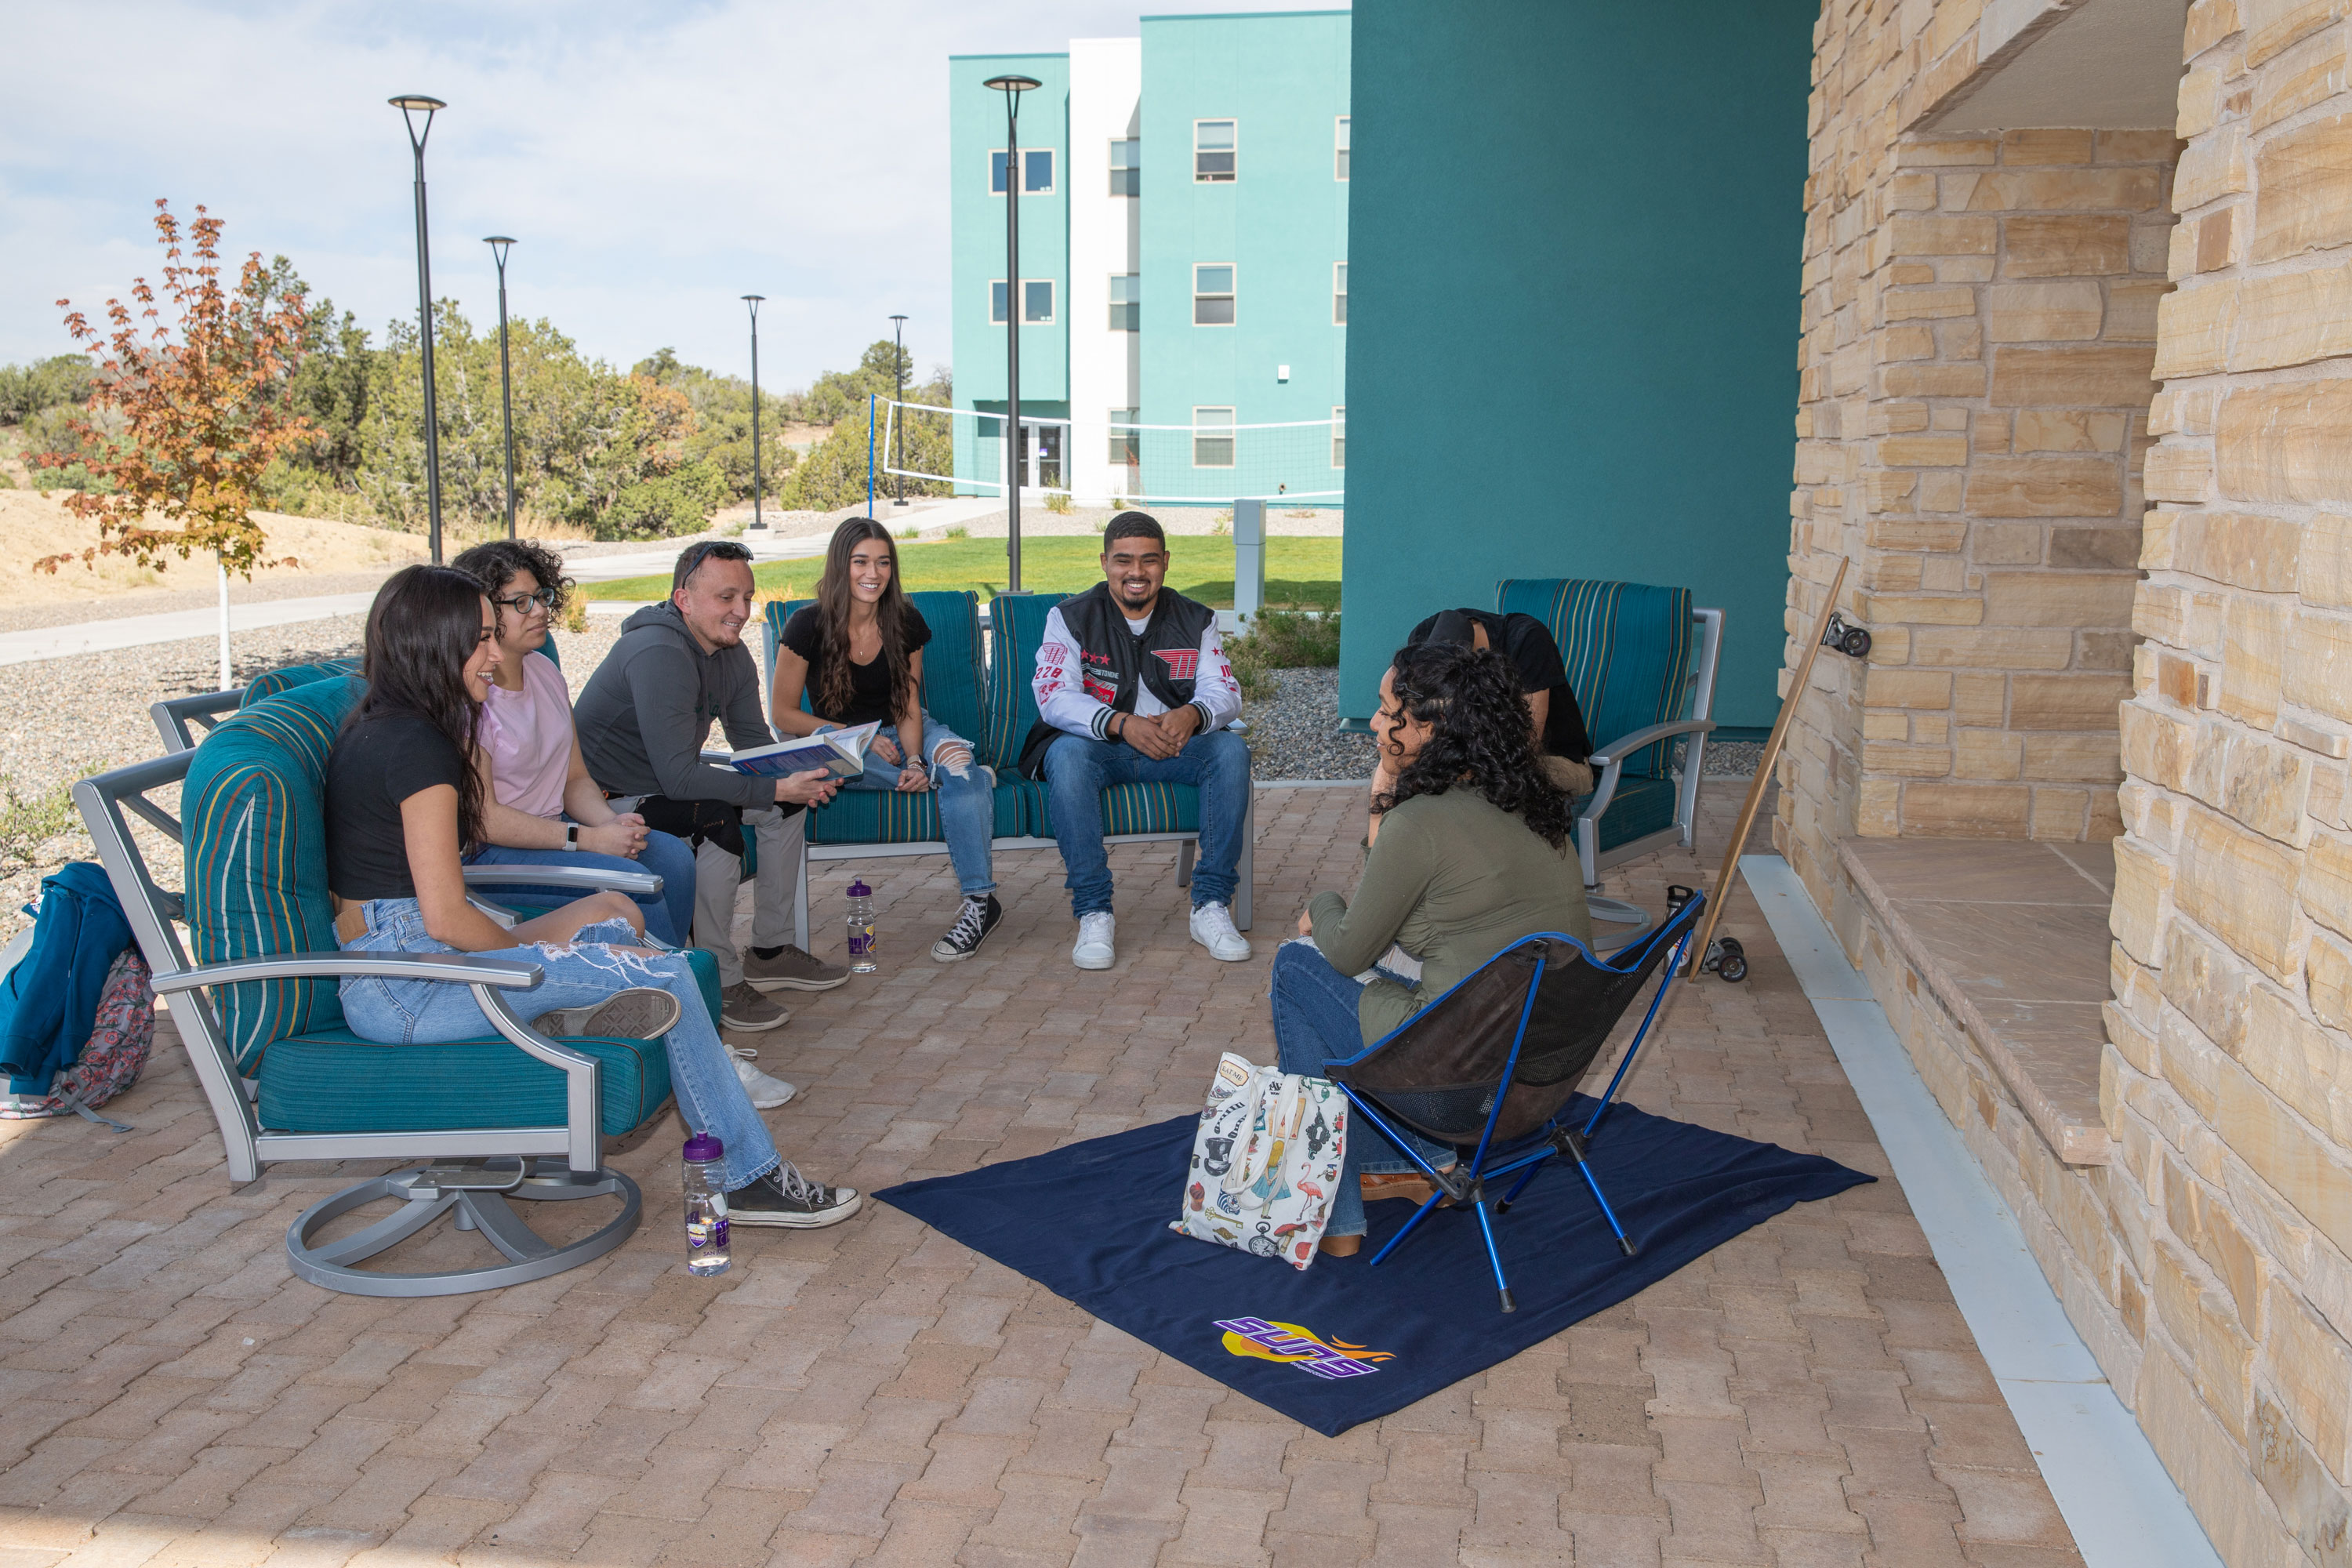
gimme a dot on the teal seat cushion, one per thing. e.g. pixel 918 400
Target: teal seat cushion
pixel 1639 808
pixel 879 816
pixel 256 857
pixel 1151 808
pixel 1627 648
pixel 1016 625
pixel 331 1081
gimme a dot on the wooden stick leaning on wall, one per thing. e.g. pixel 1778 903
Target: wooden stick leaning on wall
pixel 1771 754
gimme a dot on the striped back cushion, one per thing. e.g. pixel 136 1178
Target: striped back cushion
pixel 253 811
pixel 288 676
pixel 954 680
pixel 1016 624
pixel 1627 648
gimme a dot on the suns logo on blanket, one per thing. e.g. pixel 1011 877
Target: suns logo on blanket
pixel 1300 1347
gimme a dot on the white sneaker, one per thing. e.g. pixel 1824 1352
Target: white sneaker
pixel 1213 928
pixel 1094 949
pixel 766 1092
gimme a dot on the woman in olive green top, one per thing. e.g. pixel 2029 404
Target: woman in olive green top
pixel 1472 854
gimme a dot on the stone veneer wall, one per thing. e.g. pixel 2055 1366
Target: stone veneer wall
pixel 2226 1084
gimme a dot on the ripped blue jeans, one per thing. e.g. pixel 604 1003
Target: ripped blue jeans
pixel 965 795
pixel 710 1097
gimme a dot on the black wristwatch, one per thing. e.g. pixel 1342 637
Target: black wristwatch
pixel 571 836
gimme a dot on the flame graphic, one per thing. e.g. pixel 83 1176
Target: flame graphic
pixel 1240 1345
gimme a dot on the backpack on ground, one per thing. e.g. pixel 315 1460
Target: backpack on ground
pixel 76 1013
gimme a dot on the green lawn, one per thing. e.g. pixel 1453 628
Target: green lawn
pixel 1304 572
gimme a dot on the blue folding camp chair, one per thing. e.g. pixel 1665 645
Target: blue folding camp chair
pixel 1492 1064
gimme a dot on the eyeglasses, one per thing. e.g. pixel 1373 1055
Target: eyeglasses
pixel 521 603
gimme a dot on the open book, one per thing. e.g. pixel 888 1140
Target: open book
pixel 842 751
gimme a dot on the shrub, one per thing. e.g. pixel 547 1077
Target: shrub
pixel 28 824
pixel 1282 639
pixel 1058 502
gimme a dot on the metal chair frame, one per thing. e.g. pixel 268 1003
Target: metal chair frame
pixel 1466 1181
pixel 1609 766
pixel 173 715
pixel 554 1162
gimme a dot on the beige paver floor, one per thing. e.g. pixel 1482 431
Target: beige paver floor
pixel 875 1392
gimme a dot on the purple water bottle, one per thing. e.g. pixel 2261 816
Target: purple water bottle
pixel 860 924
pixel 706 1207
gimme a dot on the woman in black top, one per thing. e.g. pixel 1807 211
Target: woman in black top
pixel 855 656
pixel 404 806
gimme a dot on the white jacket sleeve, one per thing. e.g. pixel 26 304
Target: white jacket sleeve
pixel 1060 684
pixel 1214 690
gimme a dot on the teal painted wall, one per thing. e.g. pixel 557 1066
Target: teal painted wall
pixel 1284 80
pixel 1575 250
pixel 975 126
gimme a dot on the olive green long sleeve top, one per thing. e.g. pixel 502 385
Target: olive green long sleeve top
pixel 1452 879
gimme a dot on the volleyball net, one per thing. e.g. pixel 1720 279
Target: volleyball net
pixel 1212 462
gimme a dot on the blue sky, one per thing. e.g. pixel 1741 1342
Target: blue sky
pixel 655 160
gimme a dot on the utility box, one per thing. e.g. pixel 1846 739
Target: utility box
pixel 1249 558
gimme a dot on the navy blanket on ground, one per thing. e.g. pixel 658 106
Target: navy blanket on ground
pixel 1090 1222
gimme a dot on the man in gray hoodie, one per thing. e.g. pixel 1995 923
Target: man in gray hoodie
pixel 642 721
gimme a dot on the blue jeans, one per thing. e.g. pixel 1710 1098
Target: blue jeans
pixel 710 1097
pixel 670 914
pixel 1079 769
pixel 1314 1023
pixel 967 801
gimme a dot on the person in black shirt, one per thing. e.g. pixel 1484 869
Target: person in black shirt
pixel 855 656
pixel 403 806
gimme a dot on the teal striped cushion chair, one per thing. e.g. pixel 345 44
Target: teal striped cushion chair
pixel 287 676
pixel 253 827
pixel 1630 654
pixel 952 693
pixel 1019 621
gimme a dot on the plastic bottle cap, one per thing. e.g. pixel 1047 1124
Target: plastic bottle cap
pixel 702 1147
pixel 860 891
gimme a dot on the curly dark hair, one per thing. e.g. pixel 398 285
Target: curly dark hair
pixel 1480 735
pixel 495 563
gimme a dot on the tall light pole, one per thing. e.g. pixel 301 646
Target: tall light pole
pixel 410 104
pixel 753 300
pixel 500 245
pixel 898 369
pixel 1012 87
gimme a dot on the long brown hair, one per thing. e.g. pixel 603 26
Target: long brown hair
pixel 425 623
pixel 832 605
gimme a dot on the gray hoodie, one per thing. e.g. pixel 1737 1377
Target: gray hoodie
pixel 645 713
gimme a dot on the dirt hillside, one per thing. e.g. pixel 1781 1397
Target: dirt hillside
pixel 32 526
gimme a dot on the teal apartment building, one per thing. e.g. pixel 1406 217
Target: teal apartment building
pixel 1184 277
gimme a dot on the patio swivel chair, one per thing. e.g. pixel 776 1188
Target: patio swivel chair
pixel 1491 1066
pixel 514 1115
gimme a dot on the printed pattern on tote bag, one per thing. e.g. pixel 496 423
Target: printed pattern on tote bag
pixel 122 1034
pixel 1266 1160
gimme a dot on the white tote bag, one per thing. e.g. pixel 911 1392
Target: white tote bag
pixel 1265 1161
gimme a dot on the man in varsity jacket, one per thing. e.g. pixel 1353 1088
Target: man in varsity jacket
pixel 1133 687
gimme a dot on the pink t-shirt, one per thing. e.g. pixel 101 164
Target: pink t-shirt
pixel 527 735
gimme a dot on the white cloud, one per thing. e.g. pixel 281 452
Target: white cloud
pixel 654 163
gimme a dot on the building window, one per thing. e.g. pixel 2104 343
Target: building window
pixel 1036 172
pixel 1339 149
pixel 1339 436
pixel 1036 302
pixel 1126 302
pixel 1212 438
pixel 1338 293
pixel 1127 168
pixel 1212 294
pixel 1126 440
pixel 1213 152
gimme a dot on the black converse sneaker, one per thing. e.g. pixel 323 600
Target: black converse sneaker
pixel 783 1197
pixel 971 928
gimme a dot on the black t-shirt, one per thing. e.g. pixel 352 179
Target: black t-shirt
pixel 1527 642
pixel 870 684
pixel 377 764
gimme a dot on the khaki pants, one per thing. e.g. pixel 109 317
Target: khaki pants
pixel 718 875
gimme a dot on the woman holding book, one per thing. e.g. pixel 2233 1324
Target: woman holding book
pixel 856 655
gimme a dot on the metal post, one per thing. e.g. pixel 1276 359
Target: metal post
pixel 1013 86
pixel 408 104
pixel 1249 558
pixel 899 380
pixel 870 401
pixel 500 245
pixel 753 300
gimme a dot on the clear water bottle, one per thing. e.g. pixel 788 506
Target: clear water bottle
pixel 860 923
pixel 706 1207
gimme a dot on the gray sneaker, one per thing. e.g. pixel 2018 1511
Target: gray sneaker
pixel 785 1197
pixel 740 1006
pixel 640 1012
pixel 791 970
